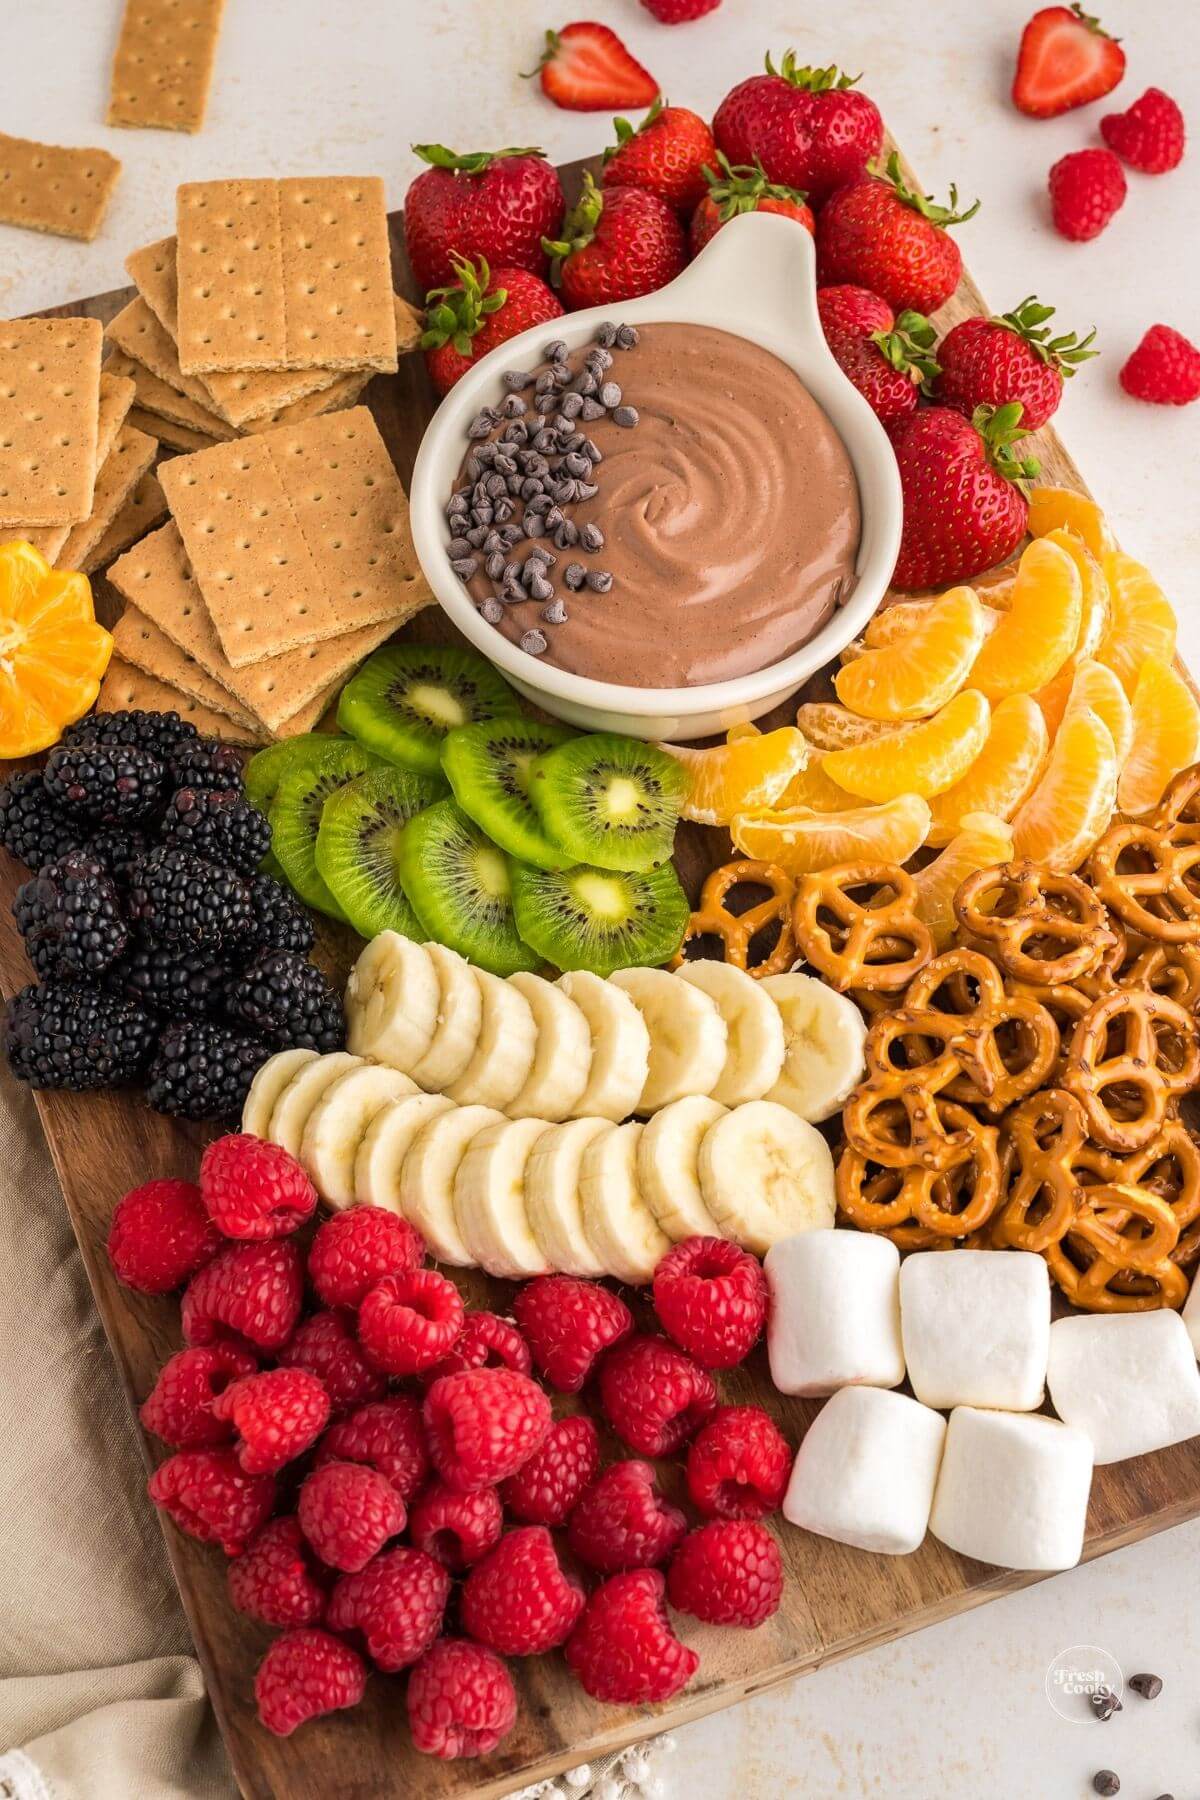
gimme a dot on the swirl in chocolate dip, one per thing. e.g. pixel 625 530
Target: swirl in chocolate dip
pixel 705 525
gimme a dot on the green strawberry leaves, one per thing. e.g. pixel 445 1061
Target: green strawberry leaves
pixel 923 203
pixel 1000 427
pixel 626 132
pixel 438 157
pixel 455 314
pixel 813 81
pixel 908 348
pixel 1028 320
pixel 739 188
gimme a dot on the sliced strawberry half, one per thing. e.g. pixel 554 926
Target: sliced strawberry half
pixel 586 68
pixel 1065 59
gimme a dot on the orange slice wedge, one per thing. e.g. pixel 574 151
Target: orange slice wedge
pixel 804 841
pixel 1039 631
pixel 1095 685
pixel 813 788
pixel 750 771
pixel 1094 616
pixel 938 653
pixel 828 726
pixel 981 840
pixel 1166 736
pixel 894 623
pixel 1143 620
pixel 1074 800
pixel 930 757
pixel 1002 775
pixel 1055 508
pixel 52 651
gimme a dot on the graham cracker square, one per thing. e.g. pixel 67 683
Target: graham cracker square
pixel 139 334
pixel 163 64
pixel 145 507
pixel 116 398
pixel 155 395
pixel 176 437
pixel 126 689
pixel 49 419
pixel 131 457
pixel 138 641
pixel 47 188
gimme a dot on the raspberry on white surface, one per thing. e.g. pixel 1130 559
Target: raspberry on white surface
pixel 865 1472
pixel 1128 1379
pixel 834 1317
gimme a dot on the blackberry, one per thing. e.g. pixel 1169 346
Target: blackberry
pixel 108 783
pixel 32 826
pixel 71 1035
pixel 180 985
pixel 206 763
pixel 218 824
pixel 280 921
pixel 118 848
pixel 179 898
pixel 70 917
pixel 163 733
pixel 290 1001
pixel 203 1072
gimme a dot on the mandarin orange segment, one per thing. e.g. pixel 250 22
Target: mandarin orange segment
pixel 1002 775
pixel 804 841
pixel 1095 685
pixel 52 651
pixel 1074 800
pixel 981 840
pixel 894 623
pixel 1039 631
pixel 828 726
pixel 813 788
pixel 938 653
pixel 751 770
pixel 1094 615
pixel 1055 508
pixel 932 756
pixel 1166 736
pixel 1142 623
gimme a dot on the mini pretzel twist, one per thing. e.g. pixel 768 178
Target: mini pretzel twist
pixel 875 943
pixel 1178 812
pixel 1171 969
pixel 1125 1088
pixel 1044 1141
pixel 951 1204
pixel 894 1117
pixel 1150 877
pixel 965 987
pixel 1117 1255
pixel 737 931
pixel 1037 925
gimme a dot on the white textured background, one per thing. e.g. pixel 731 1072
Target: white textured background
pixel 313 86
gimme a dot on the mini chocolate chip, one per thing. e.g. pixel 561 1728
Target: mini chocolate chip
pixel 586 384
pixel 534 527
pixel 597 361
pixel 532 488
pixel 561 372
pixel 599 580
pixel 496 485
pixel 543 440
pixel 516 378
pixel 459 546
pixel 592 451
pixel 476 536
pixel 562 425
pixel 574 575
pixel 555 351
pixel 546 403
pixel 480 425
pixel 606 334
pixel 482 515
pixel 1106 1782
pixel 544 383
pixel 575 464
pixel 515 432
pixel 486 455
pixel 472 468
pixel 1104 1703
pixel 492 542
pixel 627 337
pixel 555 613
pixel 534 642
pixel 512 534
pixel 591 411
pixel 586 490
pixel 545 556
pixel 464 567
pixel 457 503
pixel 540 504
pixel 512 406
pixel 491 611
pixel 537 465
pixel 1148 1686
pixel 564 491
pixel 554 518
pixel 571 404
pixel 591 537
pixel 567 534
pixel 515 484
pixel 505 464
pixel 610 394
pixel 540 588
pixel 625 416
pixel 494 566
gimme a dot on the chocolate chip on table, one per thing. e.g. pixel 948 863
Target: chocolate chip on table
pixel 625 416
pixel 534 644
pixel 540 588
pixel 574 575
pixel 596 361
pixel 591 411
pixel 606 334
pixel 599 581
pixel 491 612
pixel 1148 1686
pixel 591 537
pixel 555 613
pixel 587 385
pixel 626 338
pixel 1106 1782
pixel 575 464
pixel 464 567
pixel 610 394
pixel 516 378
pixel 1104 1703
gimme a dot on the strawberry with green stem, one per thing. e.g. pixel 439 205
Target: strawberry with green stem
pixel 743 189
pixel 891 369
pixel 479 310
pixel 965 509
pixel 498 204
pixel 1010 357
pixel 809 128
pixel 671 153
pixel 882 234
pixel 617 243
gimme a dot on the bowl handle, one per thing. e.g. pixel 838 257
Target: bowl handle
pixel 781 299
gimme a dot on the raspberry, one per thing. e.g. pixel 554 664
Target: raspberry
pixel 518 1599
pixel 679 12
pixel 160 1235
pixel 397 1603
pixel 567 1323
pixel 303 1675
pixel 408 1322
pixel 461 1700
pixel 356 1248
pixel 727 1573
pixel 248 1291
pixel 623 1522
pixel 545 1489
pixel 456 1529
pixel 654 1396
pixel 326 1346
pixel 623 1650
pixel 711 1298
pixel 348 1512
pixel 486 1342
pixel 1149 135
pixel 738 1466
pixel 179 1407
pixel 278 1415
pixel 483 1424
pixel 210 1496
pixel 253 1189
pixel 1086 188
pixel 275 1579
pixel 1164 369
pixel 386 1435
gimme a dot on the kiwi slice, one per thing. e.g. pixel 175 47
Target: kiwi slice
pixel 488 766
pixel 356 847
pixel 610 801
pixel 295 815
pixel 266 769
pixel 600 919
pixel 460 887
pixel 405 698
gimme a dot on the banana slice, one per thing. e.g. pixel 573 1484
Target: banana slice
pixel 688 1038
pixel 766 1175
pixel 301 1095
pixel 621 1229
pixel 754 1058
pixel 459 1021
pixel 390 1136
pixel 668 1166
pixel 489 1200
pixel 552 1198
pixel 507 1045
pixel 562 1056
pixel 620 1046
pixel 427 1177
pixel 824 1034
pixel 338 1123
pixel 392 1002
pixel 267 1086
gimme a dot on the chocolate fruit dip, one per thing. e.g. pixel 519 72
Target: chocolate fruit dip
pixel 659 508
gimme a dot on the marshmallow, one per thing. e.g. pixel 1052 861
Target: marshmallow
pixel 1191 1316
pixel 1013 1489
pixel 865 1471
pixel 1128 1379
pixel 835 1312
pixel 976 1327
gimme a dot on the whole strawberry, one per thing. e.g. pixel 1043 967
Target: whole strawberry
pixel 744 189
pixel 845 307
pixel 1086 188
pixel 890 369
pixel 1164 369
pixel 809 128
pixel 988 362
pixel 882 234
pixel 497 204
pixel 1150 135
pixel 616 244
pixel 963 509
pixel 481 310
pixel 670 153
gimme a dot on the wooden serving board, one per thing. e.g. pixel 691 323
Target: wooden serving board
pixel 837 1601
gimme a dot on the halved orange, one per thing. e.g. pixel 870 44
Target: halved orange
pixel 1039 631
pixel 1002 775
pixel 1143 620
pixel 52 652
pixel 1053 507
pixel 938 652
pixel 1073 802
pixel 829 726
pixel 931 757
pixel 751 770
pixel 803 841
pixel 1166 736
pixel 1095 685
pixel 981 840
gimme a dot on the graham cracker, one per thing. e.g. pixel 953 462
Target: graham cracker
pixel 176 437
pixel 155 395
pixel 49 419
pixel 163 64
pixel 137 332
pixel 310 716
pixel 116 395
pixel 157 578
pixel 292 274
pixel 131 457
pixel 139 642
pixel 145 507
pixel 410 325
pixel 46 188
pixel 126 689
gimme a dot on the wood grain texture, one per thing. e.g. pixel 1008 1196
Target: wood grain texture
pixel 837 1601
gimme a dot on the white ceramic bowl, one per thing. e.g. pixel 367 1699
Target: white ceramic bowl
pixel 757 279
